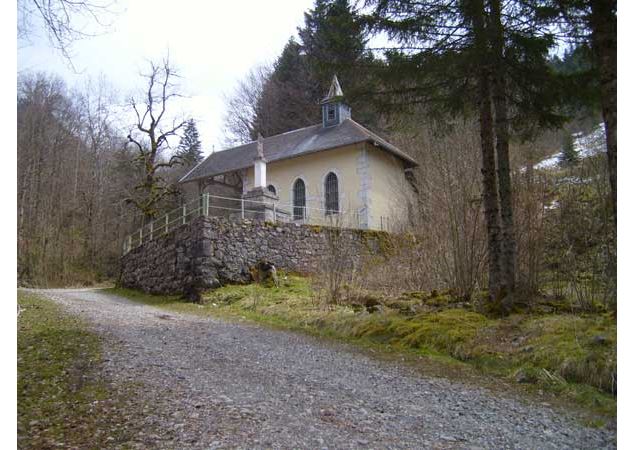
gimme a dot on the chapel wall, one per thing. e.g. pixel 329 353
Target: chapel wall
pixel 313 168
pixel 390 194
pixel 212 251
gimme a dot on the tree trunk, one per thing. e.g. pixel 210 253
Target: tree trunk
pixel 603 24
pixel 508 241
pixel 490 195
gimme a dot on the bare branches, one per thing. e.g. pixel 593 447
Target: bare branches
pixel 242 106
pixel 174 160
pixel 163 136
pixel 140 120
pixel 137 144
pixel 67 182
pixel 66 21
pixel 153 139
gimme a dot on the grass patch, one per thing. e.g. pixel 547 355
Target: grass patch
pixel 452 331
pixel 572 357
pixel 61 398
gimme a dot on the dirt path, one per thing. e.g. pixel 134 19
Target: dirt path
pixel 214 384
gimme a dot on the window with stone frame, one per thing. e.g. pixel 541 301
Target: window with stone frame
pixel 331 194
pixel 299 200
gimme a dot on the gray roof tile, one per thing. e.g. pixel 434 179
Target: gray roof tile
pixel 290 145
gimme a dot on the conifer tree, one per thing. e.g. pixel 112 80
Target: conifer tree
pixel 334 41
pixel 288 97
pixel 581 86
pixel 594 23
pixel 331 41
pixel 569 155
pixel 189 149
pixel 475 56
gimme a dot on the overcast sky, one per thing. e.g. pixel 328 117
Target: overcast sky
pixel 212 43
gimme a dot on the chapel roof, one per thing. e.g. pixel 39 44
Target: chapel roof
pixel 292 144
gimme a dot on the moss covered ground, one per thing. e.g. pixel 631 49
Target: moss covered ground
pixel 571 357
pixel 62 399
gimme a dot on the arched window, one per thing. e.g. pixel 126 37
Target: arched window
pixel 271 188
pixel 331 194
pixel 299 200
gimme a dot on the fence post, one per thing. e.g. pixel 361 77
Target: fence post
pixel 140 235
pixel 206 204
pixel 167 222
pixel 151 229
pixel 184 213
pixel 242 208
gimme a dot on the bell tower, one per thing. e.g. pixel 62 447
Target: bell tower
pixel 334 109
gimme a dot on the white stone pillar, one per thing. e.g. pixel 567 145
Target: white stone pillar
pixel 260 165
pixel 260 173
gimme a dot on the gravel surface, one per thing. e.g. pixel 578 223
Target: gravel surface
pixel 215 384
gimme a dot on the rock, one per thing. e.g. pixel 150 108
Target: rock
pixel 599 340
pixel 524 376
pixel 369 301
pixel 357 307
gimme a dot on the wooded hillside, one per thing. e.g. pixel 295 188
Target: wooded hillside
pixel 478 92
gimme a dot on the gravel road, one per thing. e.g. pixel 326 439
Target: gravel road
pixel 215 384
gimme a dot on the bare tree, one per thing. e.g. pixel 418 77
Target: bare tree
pixel 149 138
pixel 99 136
pixel 274 100
pixel 338 264
pixel 67 218
pixel 65 21
pixel 76 170
pixel 451 253
pixel 240 121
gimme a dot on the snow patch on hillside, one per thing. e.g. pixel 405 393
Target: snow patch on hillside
pixel 586 145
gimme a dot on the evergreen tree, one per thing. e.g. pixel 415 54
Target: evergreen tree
pixel 189 148
pixel 288 97
pixel 569 155
pixel 575 60
pixel 334 41
pixel 594 23
pixel 291 66
pixel 581 90
pixel 475 56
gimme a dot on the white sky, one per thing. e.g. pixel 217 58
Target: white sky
pixel 212 43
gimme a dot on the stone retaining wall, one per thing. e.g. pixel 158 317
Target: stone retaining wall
pixel 212 251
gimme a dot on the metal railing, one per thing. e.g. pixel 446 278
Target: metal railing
pixel 239 208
